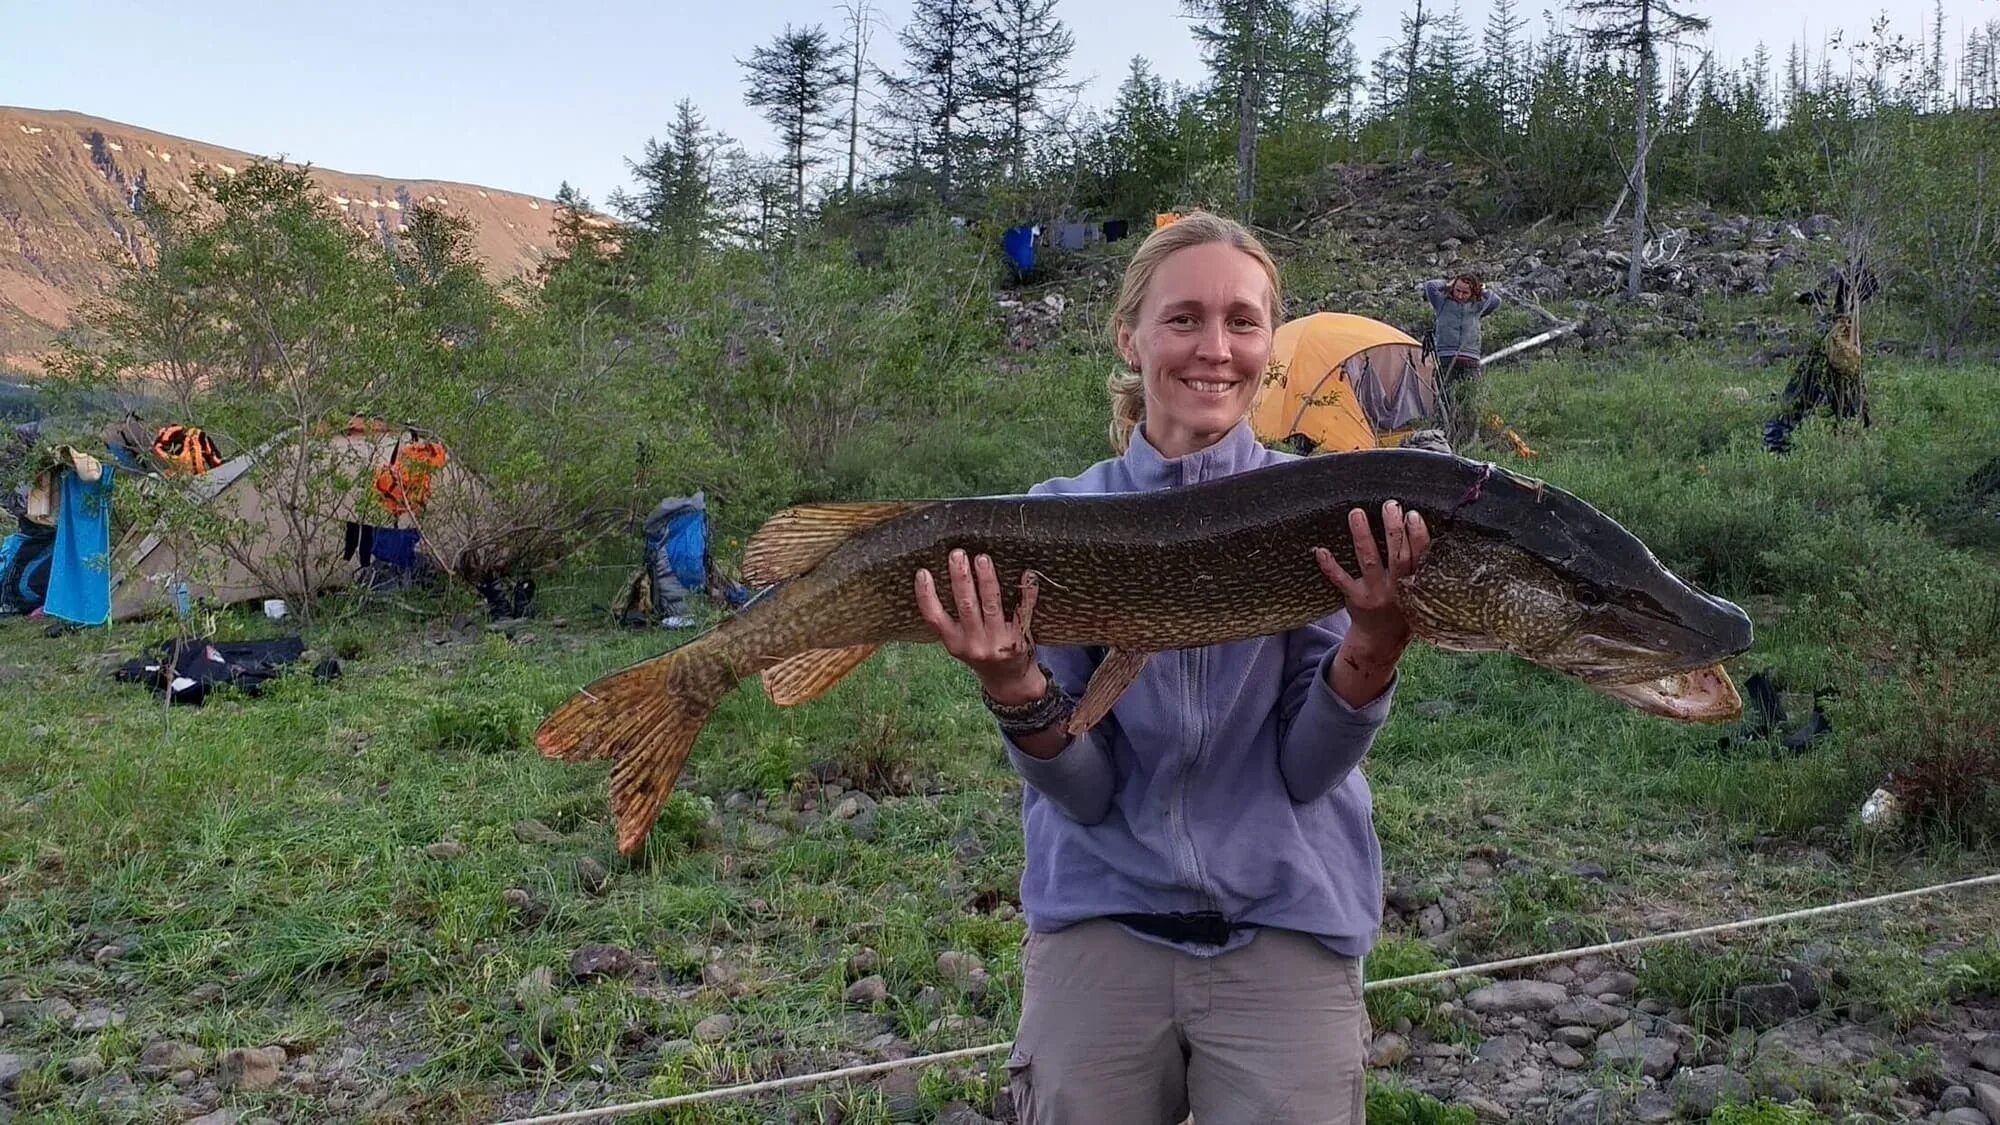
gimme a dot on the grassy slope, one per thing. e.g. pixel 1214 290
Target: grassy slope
pixel 277 847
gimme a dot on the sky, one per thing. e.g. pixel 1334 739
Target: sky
pixel 523 96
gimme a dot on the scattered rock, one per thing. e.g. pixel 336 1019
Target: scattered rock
pixel 535 832
pixel 219 1117
pixel 97 1019
pixel 1590 1013
pixel 1593 1107
pixel 202 994
pixel 1505 1051
pixel 1591 871
pixel 1576 1036
pixel 600 962
pixel 958 1113
pixel 1510 996
pixel 1566 1056
pixel 1699 1090
pixel 1652 1107
pixel 445 849
pixel 674 1047
pixel 1486 1108
pixel 715 1028
pixel 1389 1049
pixel 1620 984
pixel 723 976
pixel 1986 1096
pixel 862 962
pixel 82 1068
pixel 1804 980
pixel 868 990
pixel 523 905
pixel 1966 1117
pixel 1954 1097
pixel 1493 821
pixel 591 876
pixel 250 1068
pixel 952 1025
pixel 959 968
pixel 117 950
pixel 1986 1056
pixel 165 1056
pixel 12 1067
pixel 1626 1047
pixel 1763 1005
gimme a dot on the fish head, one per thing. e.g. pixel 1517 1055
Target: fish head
pixel 1582 597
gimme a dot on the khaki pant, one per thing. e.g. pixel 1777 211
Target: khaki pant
pixel 1123 1031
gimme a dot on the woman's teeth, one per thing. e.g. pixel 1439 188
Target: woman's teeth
pixel 1209 388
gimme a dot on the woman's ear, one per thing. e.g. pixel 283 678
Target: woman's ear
pixel 1125 350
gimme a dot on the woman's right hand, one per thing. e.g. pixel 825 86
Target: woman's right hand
pixel 999 650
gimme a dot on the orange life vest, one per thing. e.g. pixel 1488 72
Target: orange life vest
pixel 185 449
pixel 405 483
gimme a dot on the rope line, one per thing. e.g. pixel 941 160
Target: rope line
pixel 748 1089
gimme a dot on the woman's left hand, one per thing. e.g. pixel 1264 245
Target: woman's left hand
pixel 1374 607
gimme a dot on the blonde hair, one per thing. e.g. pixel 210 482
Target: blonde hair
pixel 1197 228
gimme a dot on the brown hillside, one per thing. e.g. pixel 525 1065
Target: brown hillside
pixel 66 181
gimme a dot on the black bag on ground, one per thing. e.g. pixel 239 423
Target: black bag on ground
pixel 186 671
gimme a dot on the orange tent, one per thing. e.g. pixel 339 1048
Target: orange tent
pixel 1342 382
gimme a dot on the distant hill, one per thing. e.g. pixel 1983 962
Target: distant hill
pixel 66 185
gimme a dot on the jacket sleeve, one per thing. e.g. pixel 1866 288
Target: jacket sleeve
pixel 1490 305
pixel 1322 737
pixel 1079 780
pixel 1434 293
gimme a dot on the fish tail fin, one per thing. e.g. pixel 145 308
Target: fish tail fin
pixel 645 718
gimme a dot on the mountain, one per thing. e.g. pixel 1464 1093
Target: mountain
pixel 66 185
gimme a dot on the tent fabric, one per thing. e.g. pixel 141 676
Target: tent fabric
pixel 80 572
pixel 24 568
pixel 1342 382
pixel 150 563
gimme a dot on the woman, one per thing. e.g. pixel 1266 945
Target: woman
pixel 1202 875
pixel 1460 305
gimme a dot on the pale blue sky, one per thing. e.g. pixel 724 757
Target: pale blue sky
pixel 521 95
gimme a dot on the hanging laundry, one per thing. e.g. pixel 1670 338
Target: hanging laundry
pixel 80 572
pixel 1019 244
pixel 1072 236
pixel 1115 230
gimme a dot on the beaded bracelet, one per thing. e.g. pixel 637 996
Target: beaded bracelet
pixel 1053 706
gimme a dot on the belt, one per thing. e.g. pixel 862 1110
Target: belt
pixel 1206 927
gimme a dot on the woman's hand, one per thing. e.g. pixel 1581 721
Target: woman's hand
pixel 999 650
pixel 1377 631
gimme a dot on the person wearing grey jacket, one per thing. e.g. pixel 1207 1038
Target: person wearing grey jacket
pixel 1202 872
pixel 1460 304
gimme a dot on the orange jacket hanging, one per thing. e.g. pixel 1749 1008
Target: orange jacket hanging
pixel 405 483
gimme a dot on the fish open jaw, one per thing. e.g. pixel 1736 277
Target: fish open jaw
pixel 1703 695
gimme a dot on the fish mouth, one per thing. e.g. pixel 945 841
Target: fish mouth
pixel 1699 695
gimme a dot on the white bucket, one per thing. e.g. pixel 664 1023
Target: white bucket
pixel 275 608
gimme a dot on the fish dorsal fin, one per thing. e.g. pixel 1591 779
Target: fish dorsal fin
pixel 796 539
pixel 807 676
pixel 1116 672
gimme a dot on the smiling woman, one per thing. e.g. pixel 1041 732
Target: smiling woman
pixel 1202 873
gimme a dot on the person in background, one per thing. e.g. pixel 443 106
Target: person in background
pixel 1202 872
pixel 1460 304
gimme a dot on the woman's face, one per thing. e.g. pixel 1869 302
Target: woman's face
pixel 1201 343
pixel 1461 289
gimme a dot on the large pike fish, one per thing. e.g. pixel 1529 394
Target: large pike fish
pixel 1515 566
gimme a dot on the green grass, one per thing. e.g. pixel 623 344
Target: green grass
pixel 277 847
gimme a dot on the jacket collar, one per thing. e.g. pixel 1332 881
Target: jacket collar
pixel 1232 453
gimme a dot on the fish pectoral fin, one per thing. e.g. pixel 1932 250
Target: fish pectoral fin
pixel 796 539
pixel 807 676
pixel 1118 670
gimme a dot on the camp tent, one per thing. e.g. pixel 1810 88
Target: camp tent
pixel 1347 382
pixel 149 566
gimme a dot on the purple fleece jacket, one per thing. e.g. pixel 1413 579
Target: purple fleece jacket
pixel 1226 777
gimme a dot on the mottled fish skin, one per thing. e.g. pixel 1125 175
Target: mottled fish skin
pixel 1231 559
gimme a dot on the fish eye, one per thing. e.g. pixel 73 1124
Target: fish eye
pixel 1589 597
